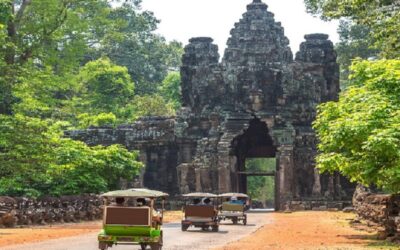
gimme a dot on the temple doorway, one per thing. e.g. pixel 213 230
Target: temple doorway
pixel 261 181
pixel 256 164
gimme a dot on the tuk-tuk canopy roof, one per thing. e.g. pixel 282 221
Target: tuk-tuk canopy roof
pixel 136 192
pixel 200 195
pixel 238 195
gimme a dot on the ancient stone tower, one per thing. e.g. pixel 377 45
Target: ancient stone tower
pixel 256 102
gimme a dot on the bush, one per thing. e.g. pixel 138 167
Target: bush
pixel 36 160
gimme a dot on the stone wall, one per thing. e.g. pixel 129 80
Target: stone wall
pixel 317 205
pixel 378 210
pixel 24 211
pixel 19 211
pixel 154 138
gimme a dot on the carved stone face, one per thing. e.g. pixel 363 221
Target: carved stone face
pixel 256 100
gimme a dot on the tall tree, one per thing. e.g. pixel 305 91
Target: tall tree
pixel 147 55
pixel 355 42
pixel 45 33
pixel 170 89
pixel 382 17
pixel 360 134
pixel 105 87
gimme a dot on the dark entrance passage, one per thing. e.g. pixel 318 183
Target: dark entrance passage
pixel 255 145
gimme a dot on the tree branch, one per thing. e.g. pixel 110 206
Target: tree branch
pixel 21 11
pixel 28 52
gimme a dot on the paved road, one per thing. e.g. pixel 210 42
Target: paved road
pixel 174 238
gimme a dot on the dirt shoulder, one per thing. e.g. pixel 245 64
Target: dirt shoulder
pixel 14 236
pixel 309 230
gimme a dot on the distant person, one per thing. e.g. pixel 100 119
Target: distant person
pixel 119 202
pixel 196 201
pixel 140 202
pixel 234 200
pixel 156 215
pixel 206 201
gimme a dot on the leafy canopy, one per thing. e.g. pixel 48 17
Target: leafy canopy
pixel 382 17
pixel 36 160
pixel 355 42
pixel 59 36
pixel 170 89
pixel 70 63
pixel 104 87
pixel 146 55
pixel 360 134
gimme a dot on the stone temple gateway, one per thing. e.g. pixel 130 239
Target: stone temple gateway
pixel 256 102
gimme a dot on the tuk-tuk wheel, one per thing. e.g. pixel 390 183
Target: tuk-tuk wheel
pixel 235 221
pixel 245 220
pixel 215 228
pixel 103 245
pixel 156 246
pixel 185 227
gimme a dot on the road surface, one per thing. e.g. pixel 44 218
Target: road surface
pixel 174 238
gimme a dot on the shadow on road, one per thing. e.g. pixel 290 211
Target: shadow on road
pixel 206 231
pixel 238 225
pixel 171 225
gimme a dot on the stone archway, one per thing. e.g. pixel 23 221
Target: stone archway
pixel 254 142
pixel 205 146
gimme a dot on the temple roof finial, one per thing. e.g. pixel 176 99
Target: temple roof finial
pixel 257 5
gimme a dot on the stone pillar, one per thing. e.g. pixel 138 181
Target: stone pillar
pixel 317 183
pixel 204 179
pixel 286 166
pixel 186 178
pixel 224 180
pixel 199 187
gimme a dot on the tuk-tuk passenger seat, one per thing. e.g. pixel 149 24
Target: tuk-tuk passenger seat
pixel 226 206
pixel 133 216
pixel 200 213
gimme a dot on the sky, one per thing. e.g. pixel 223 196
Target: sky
pixel 184 19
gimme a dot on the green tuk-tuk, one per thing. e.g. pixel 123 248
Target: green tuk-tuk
pixel 130 218
pixel 233 207
pixel 200 211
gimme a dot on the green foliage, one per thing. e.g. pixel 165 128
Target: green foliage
pixel 105 87
pixel 42 34
pixel 134 45
pixel 43 94
pixel 86 120
pixel 261 188
pixel 55 76
pixel 360 134
pixel 170 89
pixel 25 154
pixel 381 17
pixel 355 42
pixel 151 105
pixel 61 35
pixel 36 160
